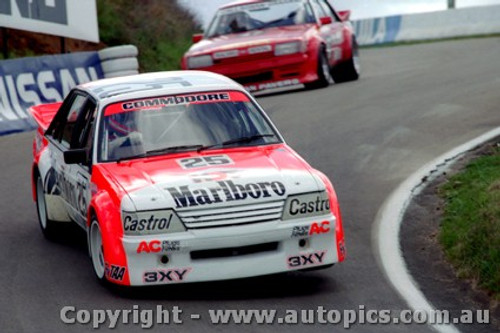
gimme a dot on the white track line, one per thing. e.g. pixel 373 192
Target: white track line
pixel 388 223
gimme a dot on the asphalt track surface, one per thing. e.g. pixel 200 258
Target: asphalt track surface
pixel 412 104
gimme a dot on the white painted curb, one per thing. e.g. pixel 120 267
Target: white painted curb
pixel 388 223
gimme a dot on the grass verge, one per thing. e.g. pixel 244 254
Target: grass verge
pixel 470 230
pixel 160 29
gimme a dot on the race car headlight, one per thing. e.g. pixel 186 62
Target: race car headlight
pixel 200 61
pixel 287 48
pixel 151 222
pixel 306 205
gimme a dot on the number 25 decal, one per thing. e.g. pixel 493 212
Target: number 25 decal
pixel 205 161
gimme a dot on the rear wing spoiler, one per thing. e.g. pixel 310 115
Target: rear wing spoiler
pixel 44 113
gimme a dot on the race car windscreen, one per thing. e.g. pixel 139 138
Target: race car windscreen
pixel 260 15
pixel 169 124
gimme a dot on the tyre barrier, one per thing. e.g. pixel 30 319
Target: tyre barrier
pixel 119 61
pixel 119 65
pixel 115 52
pixel 120 74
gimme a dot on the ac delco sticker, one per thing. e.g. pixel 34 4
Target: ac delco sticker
pixel 164 101
pixel 156 246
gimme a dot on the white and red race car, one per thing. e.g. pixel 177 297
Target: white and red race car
pixel 180 177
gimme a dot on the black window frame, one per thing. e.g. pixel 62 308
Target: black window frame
pixel 332 10
pixel 84 122
pixel 100 127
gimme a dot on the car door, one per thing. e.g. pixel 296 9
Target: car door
pixel 331 32
pixel 72 129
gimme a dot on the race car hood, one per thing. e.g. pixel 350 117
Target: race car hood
pixel 268 36
pixel 254 175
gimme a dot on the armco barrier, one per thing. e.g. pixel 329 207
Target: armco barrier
pixel 26 82
pixel 426 26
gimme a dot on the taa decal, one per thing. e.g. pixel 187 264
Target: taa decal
pixel 156 246
pixel 114 272
pixel 204 161
pixel 165 276
pixel 308 259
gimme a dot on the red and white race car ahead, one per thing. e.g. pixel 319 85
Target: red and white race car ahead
pixel 180 177
pixel 266 44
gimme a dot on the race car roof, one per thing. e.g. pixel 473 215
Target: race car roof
pixel 158 83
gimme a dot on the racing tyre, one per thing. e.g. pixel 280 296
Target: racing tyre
pixel 122 51
pixel 49 227
pixel 324 75
pixel 96 250
pixel 349 70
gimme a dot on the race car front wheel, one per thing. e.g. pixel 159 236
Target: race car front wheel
pixel 348 70
pixel 49 227
pixel 324 76
pixel 96 249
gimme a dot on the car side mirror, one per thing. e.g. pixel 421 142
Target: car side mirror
pixel 197 37
pixel 345 15
pixel 326 20
pixel 75 156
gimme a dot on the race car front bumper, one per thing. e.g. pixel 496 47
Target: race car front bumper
pixel 271 72
pixel 232 252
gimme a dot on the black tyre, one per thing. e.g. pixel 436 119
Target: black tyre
pixel 324 73
pixel 49 227
pixel 348 70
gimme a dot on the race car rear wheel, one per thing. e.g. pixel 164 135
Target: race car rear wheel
pixel 49 227
pixel 324 75
pixel 96 249
pixel 349 70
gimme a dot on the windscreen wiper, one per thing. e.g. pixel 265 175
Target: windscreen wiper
pixel 244 139
pixel 173 149
pixel 160 151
